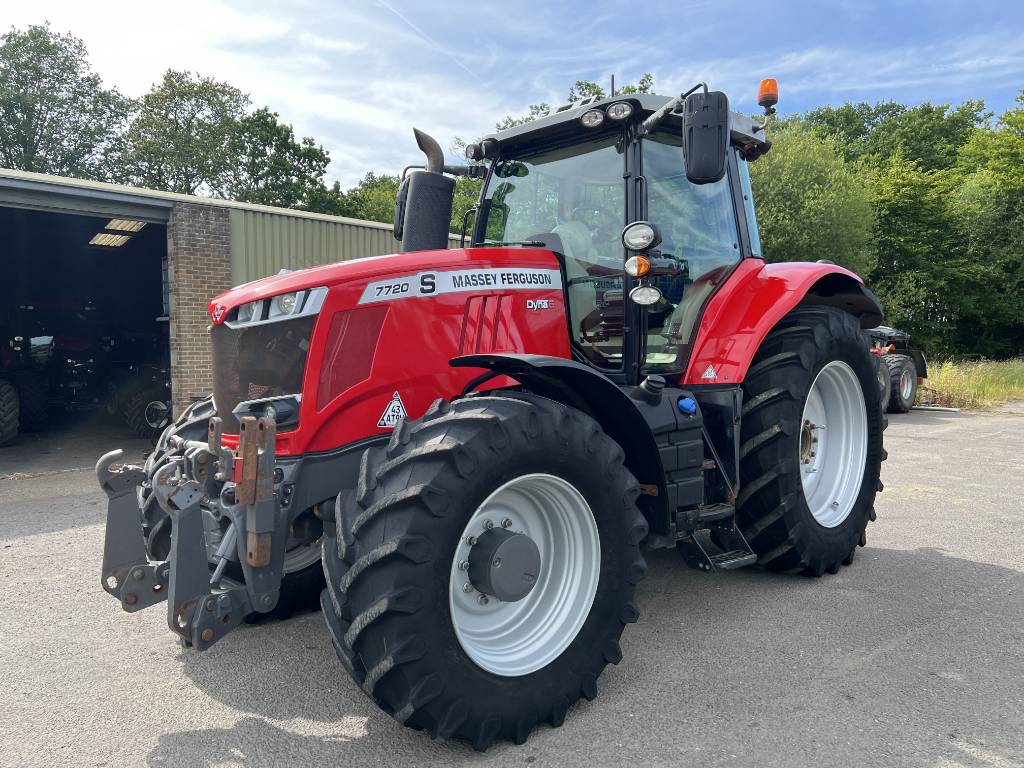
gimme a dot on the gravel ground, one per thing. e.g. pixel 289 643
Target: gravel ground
pixel 914 656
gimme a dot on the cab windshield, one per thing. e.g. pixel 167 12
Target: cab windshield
pixel 572 199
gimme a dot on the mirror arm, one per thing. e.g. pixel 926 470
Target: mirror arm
pixel 651 122
pixel 465 224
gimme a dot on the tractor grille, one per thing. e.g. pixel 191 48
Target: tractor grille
pixel 251 363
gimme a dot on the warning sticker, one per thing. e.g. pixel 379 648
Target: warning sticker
pixel 426 284
pixel 709 373
pixel 394 413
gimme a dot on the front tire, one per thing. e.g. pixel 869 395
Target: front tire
pixel 811 446
pixel 884 384
pixel 458 661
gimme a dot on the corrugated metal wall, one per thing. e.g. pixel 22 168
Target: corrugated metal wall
pixel 263 243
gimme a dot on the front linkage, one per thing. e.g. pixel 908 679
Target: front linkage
pixel 204 486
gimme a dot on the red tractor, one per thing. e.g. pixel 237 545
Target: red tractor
pixel 480 443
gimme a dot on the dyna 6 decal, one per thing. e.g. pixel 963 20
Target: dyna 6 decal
pixel 427 284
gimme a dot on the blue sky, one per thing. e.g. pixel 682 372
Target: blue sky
pixel 358 75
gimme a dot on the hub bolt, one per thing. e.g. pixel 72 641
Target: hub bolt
pixel 506 523
pixel 488 524
pixel 482 600
pixel 464 565
pixel 471 540
pixel 467 587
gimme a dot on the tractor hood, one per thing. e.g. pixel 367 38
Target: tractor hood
pixel 223 305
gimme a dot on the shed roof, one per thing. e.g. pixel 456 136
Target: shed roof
pixel 40 190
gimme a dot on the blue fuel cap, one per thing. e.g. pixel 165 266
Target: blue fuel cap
pixel 687 405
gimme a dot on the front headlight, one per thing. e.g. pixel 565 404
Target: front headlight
pixel 640 235
pixel 273 309
pixel 247 311
pixel 283 304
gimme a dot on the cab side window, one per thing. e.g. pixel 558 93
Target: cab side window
pixel 698 226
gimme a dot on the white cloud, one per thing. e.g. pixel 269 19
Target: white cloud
pixel 358 76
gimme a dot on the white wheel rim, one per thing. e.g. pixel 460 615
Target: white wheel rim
pixel 516 638
pixel 155 414
pixel 906 384
pixel 833 444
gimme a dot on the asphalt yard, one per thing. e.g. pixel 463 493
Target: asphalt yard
pixel 913 656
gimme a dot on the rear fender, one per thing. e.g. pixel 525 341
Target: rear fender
pixel 580 386
pixel 754 299
pixel 919 362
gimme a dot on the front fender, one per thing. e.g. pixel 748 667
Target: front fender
pixel 590 391
pixel 751 303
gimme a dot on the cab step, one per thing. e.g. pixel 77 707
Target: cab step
pixel 708 539
pixel 735 558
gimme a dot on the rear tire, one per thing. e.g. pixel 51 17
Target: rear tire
pixel 9 413
pixel 902 383
pixel 33 415
pixel 814 366
pixel 142 414
pixel 396 610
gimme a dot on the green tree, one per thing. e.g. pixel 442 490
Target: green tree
pixel 178 139
pixel 928 134
pixel 852 124
pixel 987 208
pixel 925 276
pixel 372 199
pixel 811 203
pixel 55 115
pixel 269 166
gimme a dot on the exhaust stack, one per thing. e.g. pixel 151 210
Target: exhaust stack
pixel 429 146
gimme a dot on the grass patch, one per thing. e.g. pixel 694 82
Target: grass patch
pixel 981 384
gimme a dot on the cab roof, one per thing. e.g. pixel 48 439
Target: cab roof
pixel 563 124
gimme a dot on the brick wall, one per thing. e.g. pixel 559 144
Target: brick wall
pixel 199 267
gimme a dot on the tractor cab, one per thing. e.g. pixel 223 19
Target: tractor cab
pixel 644 244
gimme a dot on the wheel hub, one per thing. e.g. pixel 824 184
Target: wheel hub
pixel 504 564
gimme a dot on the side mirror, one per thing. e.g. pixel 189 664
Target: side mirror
pixel 400 198
pixel 705 136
